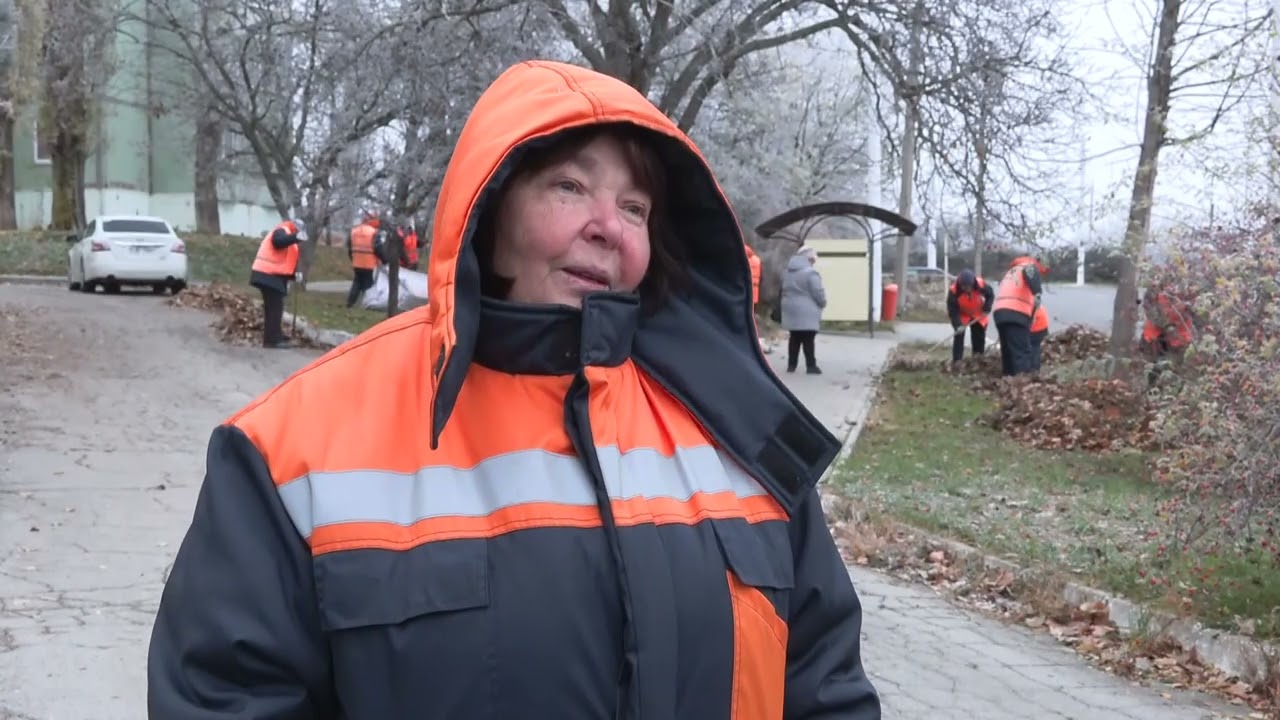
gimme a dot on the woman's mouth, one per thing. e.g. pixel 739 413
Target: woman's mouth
pixel 588 279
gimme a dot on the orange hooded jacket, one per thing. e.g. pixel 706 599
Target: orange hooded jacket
pixel 609 512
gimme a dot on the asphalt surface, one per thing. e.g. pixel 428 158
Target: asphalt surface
pixel 106 404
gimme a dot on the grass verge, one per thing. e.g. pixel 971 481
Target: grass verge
pixel 215 258
pixel 923 459
pixel 328 310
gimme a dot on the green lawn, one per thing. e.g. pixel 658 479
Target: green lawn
pixel 329 310
pixel 922 459
pixel 223 258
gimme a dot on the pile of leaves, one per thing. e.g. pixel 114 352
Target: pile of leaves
pixel 1077 342
pixel 239 320
pixel 1096 414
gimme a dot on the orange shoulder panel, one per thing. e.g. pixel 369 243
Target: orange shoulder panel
pixel 329 410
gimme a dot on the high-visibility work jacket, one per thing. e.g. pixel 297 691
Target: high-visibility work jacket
pixel 272 260
pixel 608 513
pixel 1014 294
pixel 362 255
pixel 970 303
pixel 1169 321
pixel 754 261
pixel 1040 322
pixel 411 247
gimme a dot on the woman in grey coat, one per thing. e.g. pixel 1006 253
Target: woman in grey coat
pixel 803 299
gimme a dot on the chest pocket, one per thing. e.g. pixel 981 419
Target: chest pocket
pixel 759 573
pixel 409 629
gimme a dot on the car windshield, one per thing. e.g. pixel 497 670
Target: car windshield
pixel 150 227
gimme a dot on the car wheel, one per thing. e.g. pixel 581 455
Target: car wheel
pixel 85 285
pixel 158 289
pixel 111 288
pixel 177 287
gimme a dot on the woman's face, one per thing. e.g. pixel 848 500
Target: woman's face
pixel 577 227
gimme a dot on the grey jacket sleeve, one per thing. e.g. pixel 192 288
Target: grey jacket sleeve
pixel 825 678
pixel 816 289
pixel 238 631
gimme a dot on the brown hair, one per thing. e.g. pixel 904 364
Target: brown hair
pixel 650 174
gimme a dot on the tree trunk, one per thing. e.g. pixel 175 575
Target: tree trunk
pixel 904 202
pixel 1124 319
pixel 68 159
pixel 8 213
pixel 911 103
pixel 208 153
pixel 980 217
pixel 393 271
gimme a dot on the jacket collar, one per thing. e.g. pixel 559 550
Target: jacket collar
pixel 524 339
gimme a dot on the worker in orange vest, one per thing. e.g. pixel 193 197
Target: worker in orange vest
pixel 1167 328
pixel 754 261
pixel 1039 331
pixel 363 260
pixel 1014 310
pixel 969 303
pixel 274 266
pixel 409 252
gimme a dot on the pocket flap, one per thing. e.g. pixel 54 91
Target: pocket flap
pixel 359 588
pixel 759 554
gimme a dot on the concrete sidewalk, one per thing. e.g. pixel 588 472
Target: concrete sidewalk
pixel 932 660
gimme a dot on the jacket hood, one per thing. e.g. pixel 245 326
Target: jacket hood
pixel 798 262
pixel 712 315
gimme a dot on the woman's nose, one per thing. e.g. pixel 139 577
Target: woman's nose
pixel 606 222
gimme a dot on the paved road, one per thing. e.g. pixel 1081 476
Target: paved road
pixel 98 478
pixel 1089 305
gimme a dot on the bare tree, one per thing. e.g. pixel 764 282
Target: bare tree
pixel 76 59
pixel 1200 52
pixel 312 92
pixel 678 51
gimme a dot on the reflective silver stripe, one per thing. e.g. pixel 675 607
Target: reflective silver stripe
pixel 529 476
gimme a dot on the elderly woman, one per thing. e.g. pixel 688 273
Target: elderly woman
pixel 803 299
pixel 610 512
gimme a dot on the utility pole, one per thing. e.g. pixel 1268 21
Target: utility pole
pixel 911 102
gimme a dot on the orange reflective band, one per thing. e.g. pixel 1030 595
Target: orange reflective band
pixel 759 655
pixel 521 490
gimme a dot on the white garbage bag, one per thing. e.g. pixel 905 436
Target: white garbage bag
pixel 413 290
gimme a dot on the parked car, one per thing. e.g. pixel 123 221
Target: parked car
pixel 119 250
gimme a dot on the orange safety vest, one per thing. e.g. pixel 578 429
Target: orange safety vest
pixel 754 261
pixel 969 303
pixel 411 247
pixel 272 260
pixel 1040 323
pixel 1013 293
pixel 1178 315
pixel 362 256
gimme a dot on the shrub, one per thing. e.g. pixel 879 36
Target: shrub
pixel 1219 416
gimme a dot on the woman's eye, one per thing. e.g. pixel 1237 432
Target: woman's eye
pixel 639 211
pixel 568 185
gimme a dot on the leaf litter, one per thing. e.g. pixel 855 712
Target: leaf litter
pixel 239 317
pixel 1019 598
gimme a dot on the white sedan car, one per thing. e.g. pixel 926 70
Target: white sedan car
pixel 119 250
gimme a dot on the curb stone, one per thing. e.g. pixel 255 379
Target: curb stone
pixel 1248 659
pixel 327 337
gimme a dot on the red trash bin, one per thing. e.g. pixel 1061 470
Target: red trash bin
pixel 889 303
